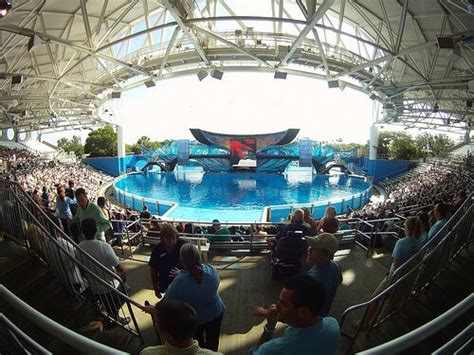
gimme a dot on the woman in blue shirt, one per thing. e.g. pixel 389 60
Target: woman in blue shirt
pixel 198 286
pixel 406 247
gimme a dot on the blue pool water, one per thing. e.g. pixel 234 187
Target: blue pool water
pixel 236 197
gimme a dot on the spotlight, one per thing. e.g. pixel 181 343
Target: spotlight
pixel 5 7
pixel 217 74
pixel 150 83
pixel 333 84
pixel 280 75
pixel 202 74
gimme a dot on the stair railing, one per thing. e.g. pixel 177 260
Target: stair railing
pixel 414 275
pixel 58 331
pixel 81 274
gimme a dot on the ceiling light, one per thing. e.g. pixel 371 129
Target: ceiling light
pixel 5 7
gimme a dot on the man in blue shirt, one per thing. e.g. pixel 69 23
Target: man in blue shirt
pixel 299 306
pixel 441 213
pixel 321 250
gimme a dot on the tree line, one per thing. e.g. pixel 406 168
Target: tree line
pixel 102 142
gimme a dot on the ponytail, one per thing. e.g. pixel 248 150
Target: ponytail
pixel 191 260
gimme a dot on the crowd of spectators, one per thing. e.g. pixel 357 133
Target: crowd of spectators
pixel 41 178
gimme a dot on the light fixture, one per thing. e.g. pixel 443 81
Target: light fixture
pixel 202 74
pixel 150 83
pixel 280 75
pixel 217 74
pixel 5 7
pixel 116 94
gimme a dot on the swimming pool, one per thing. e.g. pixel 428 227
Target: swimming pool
pixel 238 197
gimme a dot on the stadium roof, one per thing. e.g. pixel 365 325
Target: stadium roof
pixel 62 61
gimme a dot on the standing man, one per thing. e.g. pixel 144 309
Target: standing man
pixel 321 250
pixel 299 306
pixel 87 209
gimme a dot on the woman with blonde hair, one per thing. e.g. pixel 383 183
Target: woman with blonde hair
pixel 329 223
pixel 406 247
pixel 198 286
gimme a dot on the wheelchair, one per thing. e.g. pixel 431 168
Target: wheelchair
pixel 287 256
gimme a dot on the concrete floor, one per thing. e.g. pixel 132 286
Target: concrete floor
pixel 246 282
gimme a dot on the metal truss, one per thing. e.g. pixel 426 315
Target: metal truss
pixel 60 63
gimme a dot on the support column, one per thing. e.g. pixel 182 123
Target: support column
pixel 120 150
pixel 467 136
pixel 374 142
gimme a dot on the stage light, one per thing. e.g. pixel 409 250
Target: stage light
pixel 5 7
pixel 150 83
pixel 280 75
pixel 333 84
pixel 202 74
pixel 217 74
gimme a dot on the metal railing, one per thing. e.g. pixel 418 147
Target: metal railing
pixel 416 336
pixel 81 274
pixel 58 331
pixel 416 274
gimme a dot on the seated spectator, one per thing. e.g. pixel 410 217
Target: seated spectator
pixel 198 285
pixel 461 197
pixel 425 226
pixel 296 224
pixel 299 306
pixel 105 255
pixel 321 250
pixel 145 214
pixel 45 198
pixel 259 233
pixel 328 223
pixel 221 234
pixel 441 214
pixel 406 247
pixel 164 260
pixel 154 230
pixel 175 322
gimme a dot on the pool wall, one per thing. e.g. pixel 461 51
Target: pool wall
pixel 279 213
pixel 155 207
pixel 269 214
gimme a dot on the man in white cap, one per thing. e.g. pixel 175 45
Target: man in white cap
pixel 321 250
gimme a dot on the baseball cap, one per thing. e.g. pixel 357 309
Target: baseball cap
pixel 325 241
pixel 215 221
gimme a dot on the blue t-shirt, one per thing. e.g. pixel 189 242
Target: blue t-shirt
pixel 321 338
pixel 64 207
pixel 435 228
pixel 330 276
pixel 203 297
pixel 404 249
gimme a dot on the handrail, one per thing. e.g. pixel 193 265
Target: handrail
pixel 415 336
pixel 49 230
pixel 92 259
pixel 74 339
pixel 24 337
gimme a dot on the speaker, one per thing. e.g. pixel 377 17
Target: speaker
pixel 280 75
pixel 445 42
pixel 149 83
pixel 217 74
pixel 333 84
pixel 469 103
pixel 17 79
pixel 116 94
pixel 373 97
pixel 202 74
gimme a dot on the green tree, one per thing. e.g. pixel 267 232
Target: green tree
pixel 102 142
pixel 72 145
pixel 434 144
pixel 397 145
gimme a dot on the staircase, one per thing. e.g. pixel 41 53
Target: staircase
pixel 30 280
pixel 451 287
